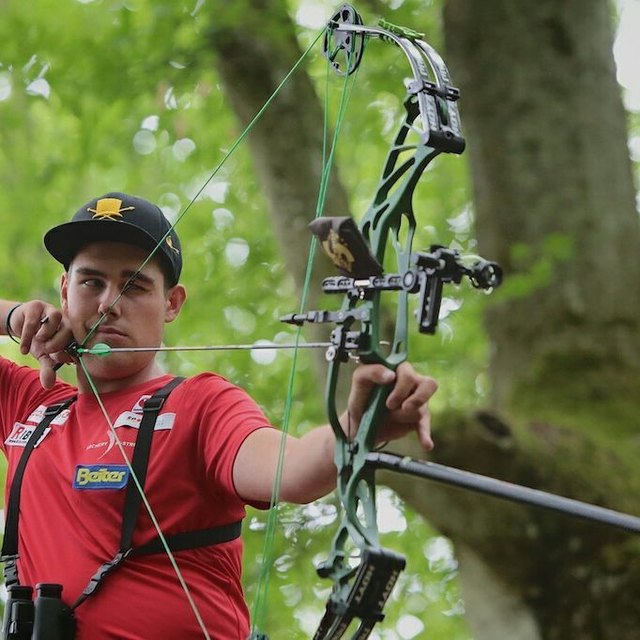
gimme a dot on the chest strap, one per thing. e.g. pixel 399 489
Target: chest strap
pixel 140 461
pixel 133 500
pixel 10 542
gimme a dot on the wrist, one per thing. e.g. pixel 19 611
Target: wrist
pixel 7 324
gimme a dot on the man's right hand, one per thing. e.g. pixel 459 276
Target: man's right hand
pixel 43 333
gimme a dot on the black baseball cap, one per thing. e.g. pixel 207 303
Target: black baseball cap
pixel 118 217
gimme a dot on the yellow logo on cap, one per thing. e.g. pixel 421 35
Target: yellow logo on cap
pixel 109 209
pixel 170 243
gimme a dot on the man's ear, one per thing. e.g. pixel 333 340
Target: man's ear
pixel 176 297
pixel 64 282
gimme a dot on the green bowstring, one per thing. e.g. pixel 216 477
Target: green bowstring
pixel 213 174
pixel 259 610
pixel 128 283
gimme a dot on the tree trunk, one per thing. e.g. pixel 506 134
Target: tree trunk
pixel 554 198
pixel 286 143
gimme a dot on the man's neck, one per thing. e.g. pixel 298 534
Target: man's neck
pixel 109 384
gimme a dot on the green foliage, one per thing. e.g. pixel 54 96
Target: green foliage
pixel 535 268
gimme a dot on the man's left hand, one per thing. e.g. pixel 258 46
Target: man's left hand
pixel 406 403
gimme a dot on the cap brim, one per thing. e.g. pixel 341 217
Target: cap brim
pixel 64 241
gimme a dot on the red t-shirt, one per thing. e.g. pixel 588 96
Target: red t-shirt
pixel 71 510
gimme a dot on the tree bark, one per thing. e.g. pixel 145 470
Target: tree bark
pixel 554 199
pixel 286 143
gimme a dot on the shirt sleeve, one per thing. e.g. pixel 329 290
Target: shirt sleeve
pixel 229 415
pixel 21 393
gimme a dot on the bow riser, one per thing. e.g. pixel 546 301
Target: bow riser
pixel 390 220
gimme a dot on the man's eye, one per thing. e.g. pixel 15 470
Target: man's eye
pixel 91 282
pixel 133 287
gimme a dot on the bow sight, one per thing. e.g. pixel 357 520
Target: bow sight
pixel 348 250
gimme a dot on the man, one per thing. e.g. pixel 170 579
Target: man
pixel 213 451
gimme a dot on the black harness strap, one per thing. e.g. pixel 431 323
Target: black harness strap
pixel 140 461
pixel 10 542
pixel 191 539
pixel 133 499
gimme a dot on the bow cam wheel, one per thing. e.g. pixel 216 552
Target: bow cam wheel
pixel 344 48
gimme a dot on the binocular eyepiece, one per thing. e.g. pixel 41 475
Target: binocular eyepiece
pixel 44 617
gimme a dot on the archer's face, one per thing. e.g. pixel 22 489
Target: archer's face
pixel 95 281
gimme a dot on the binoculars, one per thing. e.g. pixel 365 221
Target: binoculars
pixel 44 617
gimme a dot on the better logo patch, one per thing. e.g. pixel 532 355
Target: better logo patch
pixel 100 476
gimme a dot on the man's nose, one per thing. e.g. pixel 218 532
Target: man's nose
pixel 110 302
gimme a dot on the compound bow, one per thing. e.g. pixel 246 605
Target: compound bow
pixel 364 573
pixel 431 126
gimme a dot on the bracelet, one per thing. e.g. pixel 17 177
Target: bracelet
pixel 7 324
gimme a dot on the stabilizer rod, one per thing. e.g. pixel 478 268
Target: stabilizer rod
pixel 501 489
